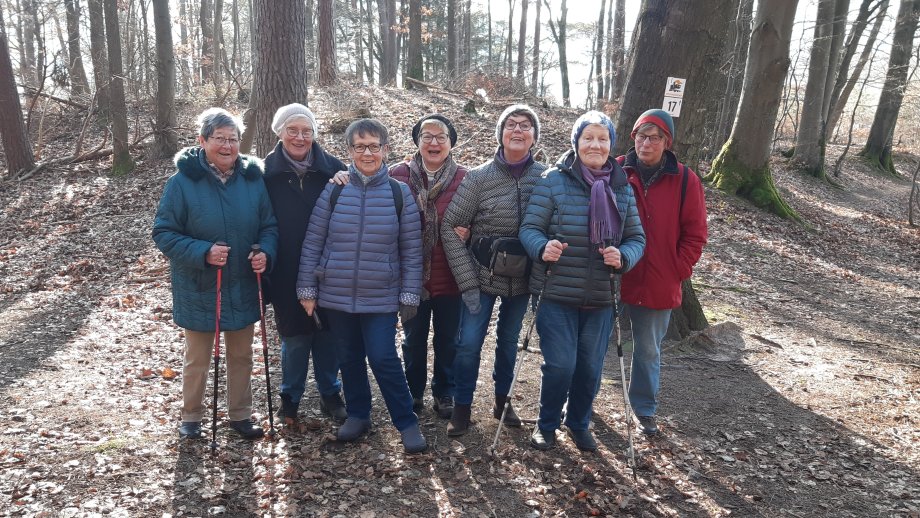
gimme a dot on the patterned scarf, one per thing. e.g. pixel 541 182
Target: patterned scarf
pixel 427 195
pixel 603 217
pixel 220 175
pixel 300 166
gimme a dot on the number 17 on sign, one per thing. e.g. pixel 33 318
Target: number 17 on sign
pixel 672 106
pixel 674 95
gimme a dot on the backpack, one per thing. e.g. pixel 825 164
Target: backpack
pixel 681 170
pixel 394 186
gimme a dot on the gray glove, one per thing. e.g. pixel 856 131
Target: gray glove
pixel 471 299
pixel 407 313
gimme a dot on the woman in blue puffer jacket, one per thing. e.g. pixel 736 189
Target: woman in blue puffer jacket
pixel 582 221
pixel 361 263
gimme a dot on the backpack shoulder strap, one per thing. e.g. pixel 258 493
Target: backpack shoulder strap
pixel 683 184
pixel 334 196
pixel 397 198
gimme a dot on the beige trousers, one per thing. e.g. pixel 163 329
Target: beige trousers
pixel 236 354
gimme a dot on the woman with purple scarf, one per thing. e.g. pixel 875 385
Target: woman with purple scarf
pixel 581 225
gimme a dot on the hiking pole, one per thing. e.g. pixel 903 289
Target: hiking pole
pixel 523 350
pixel 257 249
pixel 216 360
pixel 615 292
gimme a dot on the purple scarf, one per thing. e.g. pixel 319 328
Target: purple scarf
pixel 603 216
pixel 517 168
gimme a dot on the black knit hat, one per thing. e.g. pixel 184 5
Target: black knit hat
pixel 440 118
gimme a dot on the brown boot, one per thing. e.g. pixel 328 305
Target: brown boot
pixel 459 420
pixel 511 418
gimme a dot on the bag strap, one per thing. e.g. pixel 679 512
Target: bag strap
pixel 683 186
pixel 394 187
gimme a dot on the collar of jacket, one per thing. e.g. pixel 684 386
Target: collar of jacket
pixel 381 176
pixel 249 167
pixel 670 161
pixel 566 165
pixel 503 167
pixel 276 164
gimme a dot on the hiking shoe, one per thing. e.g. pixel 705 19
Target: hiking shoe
pixel 542 439
pixel 648 424
pixel 287 410
pixel 444 406
pixel 190 430
pixel 418 404
pixel 511 417
pixel 413 440
pixel 583 439
pixel 352 429
pixel 333 406
pixel 459 420
pixel 247 429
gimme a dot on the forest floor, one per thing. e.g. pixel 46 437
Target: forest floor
pixel 808 404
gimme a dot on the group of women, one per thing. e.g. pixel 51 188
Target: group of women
pixel 346 250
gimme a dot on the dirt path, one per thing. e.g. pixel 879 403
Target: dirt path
pixel 809 408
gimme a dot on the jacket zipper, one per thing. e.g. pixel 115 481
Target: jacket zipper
pixel 354 284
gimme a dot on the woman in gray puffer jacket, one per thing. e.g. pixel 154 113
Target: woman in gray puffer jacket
pixel 361 263
pixel 582 228
pixel 490 202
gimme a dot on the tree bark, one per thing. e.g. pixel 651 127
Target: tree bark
pixel 38 34
pixel 206 66
pixel 878 147
pixel 416 68
pixel 99 56
pixel 122 163
pixel 743 166
pixel 739 39
pixel 535 74
pixel 467 36
pixel 558 29
pixel 451 39
pixel 508 41
pixel 522 42
pixel 280 77
pixel 599 56
pixel 78 81
pixel 16 145
pixel 166 141
pixel 328 71
pixel 618 79
pixel 217 47
pixel 387 17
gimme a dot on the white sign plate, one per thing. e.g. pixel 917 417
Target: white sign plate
pixel 672 105
pixel 675 87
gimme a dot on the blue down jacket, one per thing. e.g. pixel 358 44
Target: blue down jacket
pixel 361 257
pixel 559 207
pixel 196 211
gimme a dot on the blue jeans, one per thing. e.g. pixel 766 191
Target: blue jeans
pixel 574 342
pixel 371 338
pixel 295 357
pixel 473 330
pixel 446 313
pixel 648 329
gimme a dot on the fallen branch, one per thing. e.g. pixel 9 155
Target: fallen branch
pixel 90 155
pixel 768 341
pixel 35 92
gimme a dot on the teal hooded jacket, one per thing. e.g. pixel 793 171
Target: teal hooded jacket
pixel 196 211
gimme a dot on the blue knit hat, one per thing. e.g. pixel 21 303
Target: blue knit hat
pixel 659 118
pixel 592 117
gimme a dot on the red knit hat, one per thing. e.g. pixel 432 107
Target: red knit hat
pixel 659 118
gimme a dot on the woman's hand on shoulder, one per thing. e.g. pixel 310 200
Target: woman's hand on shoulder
pixel 340 178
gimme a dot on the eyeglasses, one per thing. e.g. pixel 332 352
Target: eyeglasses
pixel 525 125
pixel 232 142
pixel 294 132
pixel 361 148
pixel 651 139
pixel 428 137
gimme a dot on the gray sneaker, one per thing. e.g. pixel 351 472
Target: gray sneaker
pixel 334 407
pixel 648 424
pixel 413 440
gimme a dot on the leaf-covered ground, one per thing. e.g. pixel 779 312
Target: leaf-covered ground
pixel 804 400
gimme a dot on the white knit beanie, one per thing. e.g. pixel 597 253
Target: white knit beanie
pixel 518 109
pixel 286 113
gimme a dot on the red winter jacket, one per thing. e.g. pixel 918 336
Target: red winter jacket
pixel 674 237
pixel 442 281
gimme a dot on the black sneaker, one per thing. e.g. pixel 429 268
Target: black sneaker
pixel 334 407
pixel 247 429
pixel 542 439
pixel 648 424
pixel 444 406
pixel 418 404
pixel 583 439
pixel 190 430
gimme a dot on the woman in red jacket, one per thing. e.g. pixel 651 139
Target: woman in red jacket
pixel 673 213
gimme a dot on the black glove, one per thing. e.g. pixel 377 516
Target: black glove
pixel 407 313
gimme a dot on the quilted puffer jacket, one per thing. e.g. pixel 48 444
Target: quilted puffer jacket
pixel 196 211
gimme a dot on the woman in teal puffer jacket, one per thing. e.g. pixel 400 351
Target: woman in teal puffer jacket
pixel 216 196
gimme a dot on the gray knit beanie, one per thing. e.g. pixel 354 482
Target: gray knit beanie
pixel 518 109
pixel 292 111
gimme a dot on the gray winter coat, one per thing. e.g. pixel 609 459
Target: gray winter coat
pixel 491 203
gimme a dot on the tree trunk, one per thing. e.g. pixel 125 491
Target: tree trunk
pixel 700 27
pixel 739 38
pixel 535 74
pixel 689 316
pixel 235 55
pixel 78 81
pixel 489 32
pixel 508 42
pixel 618 80
pixel 467 36
pixel 387 15
pixel 368 19
pixel 522 42
pixel 99 56
pixel 311 40
pixel 608 56
pixel 166 141
pixel 280 80
pixel 845 84
pixel 599 56
pixel 122 163
pixel 16 145
pixel 743 166
pixel 39 35
pixel 808 142
pixel 328 71
pixel 558 30
pixel 878 146
pixel 217 48
pixel 451 39
pixel 416 68
pixel 205 15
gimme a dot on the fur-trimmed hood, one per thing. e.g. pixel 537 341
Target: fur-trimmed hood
pixel 188 163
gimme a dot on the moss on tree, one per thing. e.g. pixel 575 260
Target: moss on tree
pixel 755 184
pixel 879 159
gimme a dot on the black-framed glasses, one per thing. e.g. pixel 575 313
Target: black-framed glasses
pixel 524 125
pixel 361 148
pixel 651 139
pixel 294 133
pixel 441 138
pixel 233 142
